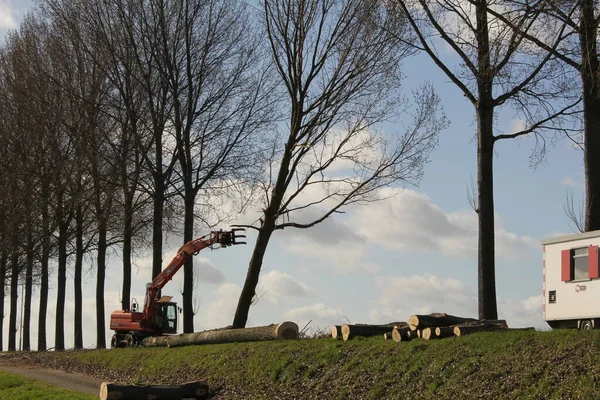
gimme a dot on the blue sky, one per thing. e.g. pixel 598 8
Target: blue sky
pixel 413 253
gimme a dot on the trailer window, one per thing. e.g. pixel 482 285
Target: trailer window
pixel 580 264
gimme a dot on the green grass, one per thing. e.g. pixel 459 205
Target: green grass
pixel 499 365
pixel 15 387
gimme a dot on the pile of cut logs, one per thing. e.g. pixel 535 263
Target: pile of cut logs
pixel 428 327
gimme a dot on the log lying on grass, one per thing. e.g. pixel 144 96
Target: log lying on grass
pixel 403 334
pixel 444 332
pixel 350 331
pixel 336 331
pixel 155 341
pixel 427 333
pixel 192 390
pixel 435 320
pixel 480 326
pixel 285 330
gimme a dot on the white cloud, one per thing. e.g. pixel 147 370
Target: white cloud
pixel 571 182
pixel 7 19
pixel 406 222
pixel 522 313
pixel 207 271
pixel 316 311
pixel 219 312
pixel 402 296
pixel 417 224
pixel 278 286
pixel 318 317
pixel 516 125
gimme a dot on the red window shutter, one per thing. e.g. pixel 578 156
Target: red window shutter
pixel 566 265
pixel 593 271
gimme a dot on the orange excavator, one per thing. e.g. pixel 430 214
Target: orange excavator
pixel 159 316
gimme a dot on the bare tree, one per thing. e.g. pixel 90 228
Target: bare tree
pixel 339 64
pixel 220 100
pixel 496 67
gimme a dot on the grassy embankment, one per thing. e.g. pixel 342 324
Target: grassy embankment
pixel 495 365
pixel 15 387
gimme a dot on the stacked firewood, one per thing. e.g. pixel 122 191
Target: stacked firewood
pixel 428 327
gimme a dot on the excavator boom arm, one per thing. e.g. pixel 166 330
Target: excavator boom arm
pixel 222 238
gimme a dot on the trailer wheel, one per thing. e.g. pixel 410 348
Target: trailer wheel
pixel 586 325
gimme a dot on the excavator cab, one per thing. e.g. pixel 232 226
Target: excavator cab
pixel 166 315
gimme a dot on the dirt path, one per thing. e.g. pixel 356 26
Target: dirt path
pixel 76 382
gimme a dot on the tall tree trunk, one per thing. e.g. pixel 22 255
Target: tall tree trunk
pixel 28 294
pixel 14 296
pixel 591 118
pixel 268 227
pixel 44 275
pixel 41 346
pixel 188 268
pixel 486 266
pixel 61 287
pixel 159 203
pixel 249 290
pixel 127 246
pixel 77 281
pixel 101 260
pixel 3 261
pixel 485 214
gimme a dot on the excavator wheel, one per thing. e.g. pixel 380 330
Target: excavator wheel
pixel 114 342
pixel 130 339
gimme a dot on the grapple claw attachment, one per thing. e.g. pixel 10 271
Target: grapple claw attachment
pixel 235 236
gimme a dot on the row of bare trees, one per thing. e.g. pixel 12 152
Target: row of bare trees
pixel 124 120
pixel 118 117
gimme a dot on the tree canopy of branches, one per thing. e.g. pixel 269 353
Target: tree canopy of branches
pixel 580 52
pixel 496 67
pixel 339 65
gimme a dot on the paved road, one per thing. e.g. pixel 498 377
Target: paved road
pixel 76 382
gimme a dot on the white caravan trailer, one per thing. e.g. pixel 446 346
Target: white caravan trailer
pixel 571 281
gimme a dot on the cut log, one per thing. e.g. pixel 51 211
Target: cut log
pixel 435 320
pixel 444 332
pixel 480 326
pixel 427 333
pixel 115 391
pixel 155 341
pixel 401 334
pixel 336 331
pixel 363 330
pixel 285 330
pixel 412 333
